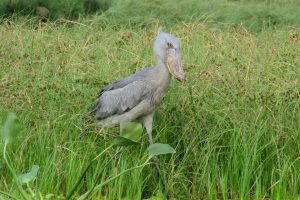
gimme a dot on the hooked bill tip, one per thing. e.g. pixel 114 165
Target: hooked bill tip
pixel 182 80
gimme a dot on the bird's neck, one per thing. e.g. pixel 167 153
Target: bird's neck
pixel 164 71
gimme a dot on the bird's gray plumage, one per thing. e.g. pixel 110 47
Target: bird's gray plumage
pixel 123 82
pixel 123 95
pixel 137 96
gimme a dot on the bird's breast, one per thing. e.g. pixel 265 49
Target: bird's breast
pixel 159 92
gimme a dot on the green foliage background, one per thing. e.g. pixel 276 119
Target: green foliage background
pixel 234 124
pixel 57 8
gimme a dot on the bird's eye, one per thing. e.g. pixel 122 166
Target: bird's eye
pixel 169 45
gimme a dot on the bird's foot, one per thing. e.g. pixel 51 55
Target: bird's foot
pixel 155 161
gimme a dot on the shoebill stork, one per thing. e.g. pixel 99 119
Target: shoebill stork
pixel 137 96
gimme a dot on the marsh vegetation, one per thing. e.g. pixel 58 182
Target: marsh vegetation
pixel 235 124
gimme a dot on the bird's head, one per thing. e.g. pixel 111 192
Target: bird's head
pixel 167 50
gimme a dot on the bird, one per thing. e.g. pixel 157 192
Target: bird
pixel 137 96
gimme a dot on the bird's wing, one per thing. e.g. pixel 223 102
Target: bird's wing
pixel 120 100
pixel 124 82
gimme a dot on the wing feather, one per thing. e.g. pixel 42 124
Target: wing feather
pixel 123 95
pixel 120 100
pixel 123 82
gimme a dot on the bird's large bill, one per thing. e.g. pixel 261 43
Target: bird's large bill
pixel 174 64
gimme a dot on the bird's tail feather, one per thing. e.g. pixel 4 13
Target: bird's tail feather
pixel 92 110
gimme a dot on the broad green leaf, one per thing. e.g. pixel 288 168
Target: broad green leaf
pixel 27 177
pixel 158 149
pixel 130 135
pixel 132 131
pixel 122 141
pixel 11 128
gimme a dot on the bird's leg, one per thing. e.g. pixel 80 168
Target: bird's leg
pixel 148 121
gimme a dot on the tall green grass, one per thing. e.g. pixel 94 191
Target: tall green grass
pixel 57 8
pixel 234 124
pixel 255 15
